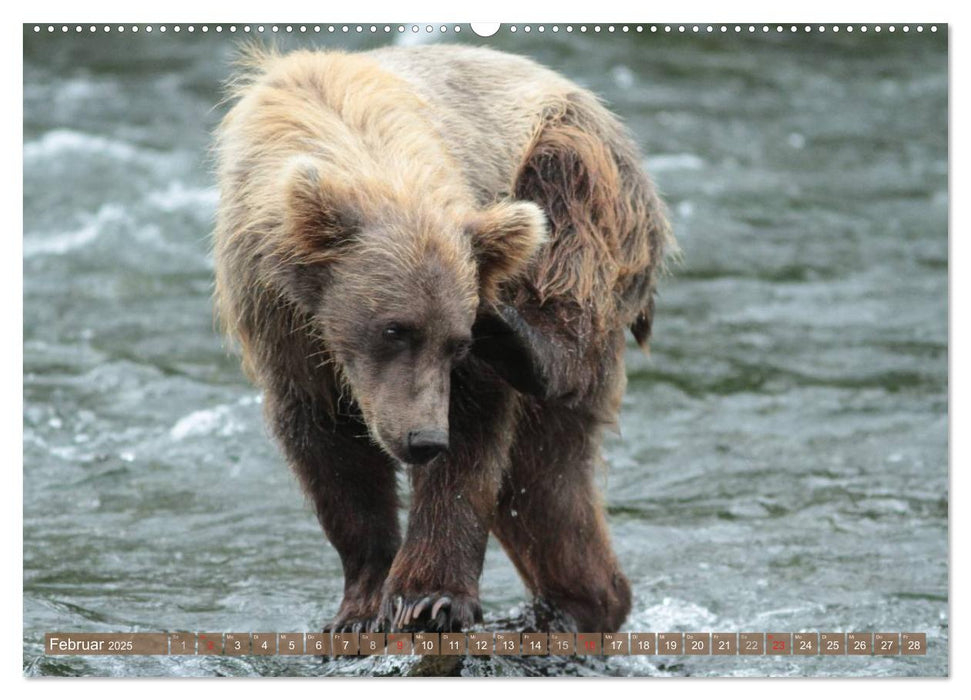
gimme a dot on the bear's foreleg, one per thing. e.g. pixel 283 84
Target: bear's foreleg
pixel 434 580
pixel 352 486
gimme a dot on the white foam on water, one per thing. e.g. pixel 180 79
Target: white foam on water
pixel 673 614
pixel 623 77
pixel 218 420
pixel 59 142
pixel 177 196
pixel 665 162
pixel 61 243
pixel 205 422
pixel 790 612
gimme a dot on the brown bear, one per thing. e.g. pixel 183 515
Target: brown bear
pixel 429 256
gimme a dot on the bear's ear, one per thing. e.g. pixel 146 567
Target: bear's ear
pixel 505 237
pixel 319 212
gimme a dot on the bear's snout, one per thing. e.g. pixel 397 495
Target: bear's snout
pixel 425 445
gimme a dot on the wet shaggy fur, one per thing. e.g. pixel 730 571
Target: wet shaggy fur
pixel 439 241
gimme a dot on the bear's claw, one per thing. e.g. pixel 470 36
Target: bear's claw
pixel 437 612
pixel 355 625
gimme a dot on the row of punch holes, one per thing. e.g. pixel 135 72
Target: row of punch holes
pixel 455 28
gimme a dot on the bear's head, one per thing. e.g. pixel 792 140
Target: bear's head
pixel 392 282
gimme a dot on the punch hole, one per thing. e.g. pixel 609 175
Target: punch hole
pixel 485 28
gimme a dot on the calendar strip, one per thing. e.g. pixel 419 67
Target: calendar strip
pixel 488 644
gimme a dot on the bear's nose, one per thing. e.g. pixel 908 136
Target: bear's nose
pixel 426 445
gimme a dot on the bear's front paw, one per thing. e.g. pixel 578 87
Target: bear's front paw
pixel 433 612
pixel 343 623
pixel 355 615
pixel 504 340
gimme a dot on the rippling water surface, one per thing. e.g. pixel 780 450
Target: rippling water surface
pixel 783 458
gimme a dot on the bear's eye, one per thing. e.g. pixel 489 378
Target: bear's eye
pixel 395 333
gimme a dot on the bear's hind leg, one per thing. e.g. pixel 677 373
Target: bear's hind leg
pixel 352 486
pixel 550 521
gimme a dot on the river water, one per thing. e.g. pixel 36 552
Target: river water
pixel 783 457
